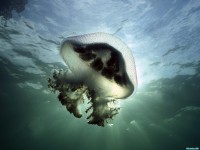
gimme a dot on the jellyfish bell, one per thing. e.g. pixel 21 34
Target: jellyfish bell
pixel 101 61
pixel 101 67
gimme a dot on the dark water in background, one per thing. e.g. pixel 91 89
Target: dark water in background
pixel 165 39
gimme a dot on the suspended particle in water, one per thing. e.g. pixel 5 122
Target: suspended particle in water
pixel 101 69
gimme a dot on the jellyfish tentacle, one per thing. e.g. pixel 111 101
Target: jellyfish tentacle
pixel 71 95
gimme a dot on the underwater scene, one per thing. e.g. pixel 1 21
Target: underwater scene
pixel 100 75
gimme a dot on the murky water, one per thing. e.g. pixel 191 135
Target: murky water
pixel 164 37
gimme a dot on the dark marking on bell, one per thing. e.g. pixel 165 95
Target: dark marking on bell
pixel 118 79
pixel 107 73
pixel 97 46
pixel 79 49
pixel 125 78
pixel 87 56
pixel 100 46
pixel 121 79
pixel 97 64
pixel 113 62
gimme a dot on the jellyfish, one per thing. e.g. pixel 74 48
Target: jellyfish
pixel 100 70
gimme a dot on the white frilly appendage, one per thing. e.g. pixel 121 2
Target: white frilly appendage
pixel 73 94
